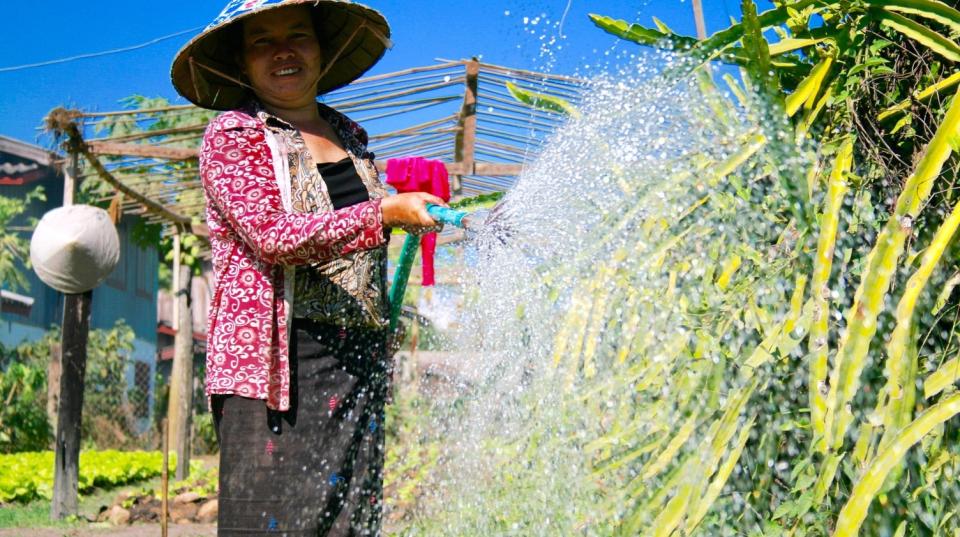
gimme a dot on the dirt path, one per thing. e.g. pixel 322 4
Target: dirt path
pixel 146 530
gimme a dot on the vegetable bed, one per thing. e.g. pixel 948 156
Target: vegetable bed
pixel 29 476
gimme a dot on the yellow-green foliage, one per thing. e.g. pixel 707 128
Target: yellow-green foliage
pixel 713 382
pixel 682 466
pixel 29 475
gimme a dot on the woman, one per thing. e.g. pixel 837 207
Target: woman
pixel 299 222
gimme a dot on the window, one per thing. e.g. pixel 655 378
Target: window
pixel 139 393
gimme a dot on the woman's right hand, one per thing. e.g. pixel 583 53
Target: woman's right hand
pixel 409 209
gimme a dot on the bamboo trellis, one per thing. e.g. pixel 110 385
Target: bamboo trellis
pixel 459 112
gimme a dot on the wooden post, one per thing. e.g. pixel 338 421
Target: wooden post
pixel 53 384
pixel 70 174
pixel 164 476
pixel 467 137
pixel 180 406
pixel 76 328
pixel 698 19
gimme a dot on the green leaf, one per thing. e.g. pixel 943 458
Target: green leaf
pixel 755 46
pixel 855 510
pixel 662 26
pixel 860 67
pixel 791 44
pixel 945 293
pixel 712 46
pixel 661 38
pixel 806 93
pixel 919 33
pixel 929 9
pixel 642 35
pixel 944 376
pixel 541 101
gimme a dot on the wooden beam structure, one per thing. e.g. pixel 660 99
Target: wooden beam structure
pixel 465 166
pixel 484 142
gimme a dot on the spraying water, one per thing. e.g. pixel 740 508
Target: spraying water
pixel 620 294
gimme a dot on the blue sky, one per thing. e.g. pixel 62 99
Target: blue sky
pixel 506 32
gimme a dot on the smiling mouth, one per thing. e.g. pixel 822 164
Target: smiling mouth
pixel 287 71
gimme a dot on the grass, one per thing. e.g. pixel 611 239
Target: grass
pixel 36 514
pixel 32 515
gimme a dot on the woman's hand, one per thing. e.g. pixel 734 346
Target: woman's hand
pixel 409 209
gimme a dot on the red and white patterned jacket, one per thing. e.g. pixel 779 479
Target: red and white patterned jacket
pixel 254 239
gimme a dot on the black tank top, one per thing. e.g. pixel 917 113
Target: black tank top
pixel 343 183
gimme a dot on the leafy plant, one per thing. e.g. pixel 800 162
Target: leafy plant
pixel 867 240
pixel 109 401
pixel 23 415
pixel 29 476
pixel 14 248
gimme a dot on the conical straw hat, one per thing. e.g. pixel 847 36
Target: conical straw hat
pixel 205 70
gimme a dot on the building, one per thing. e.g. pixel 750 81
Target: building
pixel 129 293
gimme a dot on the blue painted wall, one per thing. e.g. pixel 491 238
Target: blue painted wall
pixel 129 293
pixel 48 303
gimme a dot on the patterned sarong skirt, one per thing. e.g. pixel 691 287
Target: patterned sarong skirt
pixel 316 469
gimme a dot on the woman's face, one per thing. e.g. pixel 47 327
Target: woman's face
pixel 281 57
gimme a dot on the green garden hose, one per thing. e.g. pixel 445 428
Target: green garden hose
pixel 408 253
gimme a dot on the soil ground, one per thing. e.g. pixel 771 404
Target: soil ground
pixel 186 530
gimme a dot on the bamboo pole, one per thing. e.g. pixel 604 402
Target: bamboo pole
pixel 141 111
pixel 523 72
pixel 698 19
pixel 412 70
pixel 150 134
pixel 345 94
pixel 180 404
pixel 143 150
pixel 165 478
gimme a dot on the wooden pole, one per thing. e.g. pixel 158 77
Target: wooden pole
pixel 53 384
pixel 164 477
pixel 467 137
pixel 698 19
pixel 70 173
pixel 180 406
pixel 76 327
pixel 75 330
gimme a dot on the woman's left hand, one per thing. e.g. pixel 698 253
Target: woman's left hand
pixel 409 209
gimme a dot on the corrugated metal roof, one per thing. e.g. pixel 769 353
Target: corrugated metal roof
pixel 21 163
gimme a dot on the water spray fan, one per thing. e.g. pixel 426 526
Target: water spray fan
pixel 408 253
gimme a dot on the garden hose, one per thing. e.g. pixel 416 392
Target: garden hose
pixel 408 253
